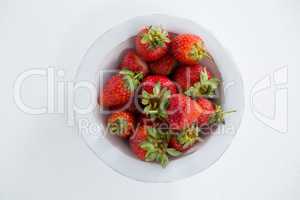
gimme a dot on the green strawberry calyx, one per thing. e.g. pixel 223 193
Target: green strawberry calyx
pixel 218 117
pixel 198 52
pixel 155 37
pixel 132 79
pixel 156 103
pixel 189 136
pixel 205 87
pixel 118 127
pixel 156 147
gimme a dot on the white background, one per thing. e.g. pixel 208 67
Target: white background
pixel 41 157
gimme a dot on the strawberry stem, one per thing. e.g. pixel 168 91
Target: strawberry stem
pixel 156 147
pixel 219 115
pixel 118 127
pixel 132 79
pixel 198 52
pixel 156 102
pixel 155 37
pixel 205 87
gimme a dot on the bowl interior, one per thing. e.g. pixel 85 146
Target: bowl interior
pixel 111 63
pixel 105 54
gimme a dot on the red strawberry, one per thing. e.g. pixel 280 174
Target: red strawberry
pixel 155 95
pixel 119 89
pixel 212 113
pixel 139 136
pixel 186 76
pixel 150 81
pixel 189 49
pixel 208 108
pixel 196 81
pixel 164 65
pixel 185 139
pixel 133 62
pixel 121 124
pixel 151 144
pixel 152 43
pixel 182 111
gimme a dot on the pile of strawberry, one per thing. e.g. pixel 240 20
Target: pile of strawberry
pixel 162 100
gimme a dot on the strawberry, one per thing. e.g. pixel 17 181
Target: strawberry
pixel 212 113
pixel 185 139
pixel 208 108
pixel 140 135
pixel 156 91
pixel 164 65
pixel 121 124
pixel 119 88
pixel 133 62
pixel 182 111
pixel 206 87
pixel 152 43
pixel 186 76
pixel 196 81
pixel 189 49
pixel 150 81
pixel 151 144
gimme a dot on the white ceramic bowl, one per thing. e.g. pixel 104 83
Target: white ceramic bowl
pixel 104 54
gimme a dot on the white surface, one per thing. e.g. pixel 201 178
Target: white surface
pixel 42 158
